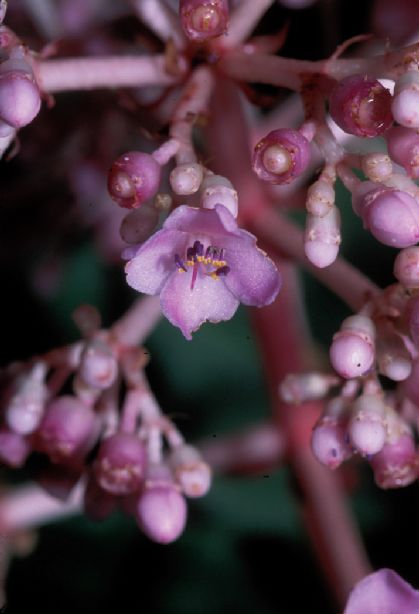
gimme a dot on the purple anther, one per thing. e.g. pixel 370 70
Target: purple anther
pixel 179 263
pixel 224 270
pixel 191 254
pixel 199 248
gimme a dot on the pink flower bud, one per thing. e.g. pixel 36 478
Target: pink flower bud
pixel 138 225
pixel 322 238
pixel 192 474
pixel 281 156
pixel 320 198
pixel 186 179
pixel 396 463
pixel 403 148
pixel 352 351
pixel 217 190
pixel 377 166
pixel 329 443
pixel 406 267
pixel 20 99
pixel 98 504
pixel 203 19
pixel 161 508
pixel 367 426
pixel 119 466
pixel 67 429
pixel 394 360
pixel 98 366
pixel 405 105
pixel 26 406
pixel 391 215
pixel 133 178
pixel 14 449
pixel 361 106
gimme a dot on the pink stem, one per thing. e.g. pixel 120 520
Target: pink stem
pixel 160 19
pixel 104 72
pixel 243 21
pixel 138 321
pixel 331 527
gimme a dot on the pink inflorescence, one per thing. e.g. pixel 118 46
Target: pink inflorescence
pixel 281 156
pixel 361 106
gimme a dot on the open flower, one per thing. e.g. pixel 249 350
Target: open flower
pixel 383 592
pixel 203 266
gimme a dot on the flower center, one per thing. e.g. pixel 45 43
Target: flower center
pixel 211 262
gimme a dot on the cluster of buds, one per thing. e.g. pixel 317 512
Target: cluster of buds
pixel 65 405
pixel 361 414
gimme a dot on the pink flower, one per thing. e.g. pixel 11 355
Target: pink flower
pixel 203 266
pixel 383 592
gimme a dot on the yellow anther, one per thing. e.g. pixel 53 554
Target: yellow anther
pixel 181 270
pixel 214 275
pixel 200 258
pixel 189 263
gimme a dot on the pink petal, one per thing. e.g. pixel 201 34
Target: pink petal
pixel 383 592
pixel 148 271
pixel 188 309
pixel 253 277
pixel 211 222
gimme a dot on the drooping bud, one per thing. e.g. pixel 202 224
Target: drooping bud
pixel 406 267
pixel 98 366
pixel 138 225
pixel 352 352
pixel 367 426
pixel 191 472
pixel 119 466
pixel 329 441
pixel 395 465
pixel 25 409
pixel 403 148
pixel 133 178
pixel 203 19
pixel 67 429
pixel 281 156
pixel 360 105
pixel 161 508
pixel 320 198
pixel 20 99
pixel 405 105
pixel 393 359
pixel 322 238
pixel 217 190
pixel 391 215
pixel 186 179
pixel 377 166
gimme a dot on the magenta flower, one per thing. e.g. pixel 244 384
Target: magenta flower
pixel 203 266
pixel 383 592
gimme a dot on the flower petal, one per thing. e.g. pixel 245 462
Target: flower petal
pixel 149 269
pixel 383 592
pixel 253 277
pixel 212 222
pixel 188 309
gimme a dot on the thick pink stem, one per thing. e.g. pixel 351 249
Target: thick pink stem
pixel 104 72
pixel 138 321
pixel 328 519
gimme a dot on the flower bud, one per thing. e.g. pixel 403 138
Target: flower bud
pixel 14 449
pixel 391 215
pixel 377 166
pixel 395 465
pixel 320 198
pixel 405 106
pixel 98 366
pixel 281 156
pixel 26 406
pixel 191 472
pixel 20 99
pixel 133 178
pixel 403 148
pixel 352 351
pixel 161 508
pixel 119 466
pixel 393 359
pixel 406 267
pixel 322 238
pixel 138 225
pixel 203 19
pixel 67 429
pixel 367 426
pixel 186 179
pixel 217 190
pixel 360 105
